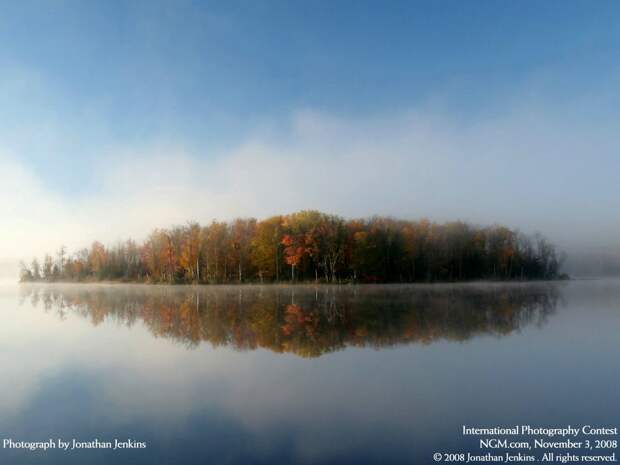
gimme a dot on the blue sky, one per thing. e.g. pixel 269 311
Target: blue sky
pixel 88 88
pixel 207 73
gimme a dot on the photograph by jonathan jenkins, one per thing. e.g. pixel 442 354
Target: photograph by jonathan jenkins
pixel 287 232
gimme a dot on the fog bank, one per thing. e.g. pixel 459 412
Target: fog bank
pixel 528 168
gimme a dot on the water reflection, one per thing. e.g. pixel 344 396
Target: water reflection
pixel 306 321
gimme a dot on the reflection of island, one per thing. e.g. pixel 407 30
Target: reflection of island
pixel 307 321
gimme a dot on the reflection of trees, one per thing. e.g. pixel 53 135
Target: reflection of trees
pixel 308 321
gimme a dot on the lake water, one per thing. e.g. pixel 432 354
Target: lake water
pixel 300 375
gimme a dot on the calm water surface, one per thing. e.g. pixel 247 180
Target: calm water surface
pixel 300 375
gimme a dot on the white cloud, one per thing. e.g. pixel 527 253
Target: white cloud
pixel 527 168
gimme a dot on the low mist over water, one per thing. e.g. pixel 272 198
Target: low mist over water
pixel 300 374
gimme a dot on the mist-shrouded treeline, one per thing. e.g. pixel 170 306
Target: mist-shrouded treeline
pixel 309 246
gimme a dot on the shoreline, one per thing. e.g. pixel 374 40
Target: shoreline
pixel 304 283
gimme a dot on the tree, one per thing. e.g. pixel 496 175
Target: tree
pixel 266 251
pixel 242 232
pixel 36 270
pixel 315 245
pixel 48 265
pixel 217 256
pixel 98 258
pixel 62 251
pixel 25 274
pixel 294 251
pixel 191 251
pixel 331 237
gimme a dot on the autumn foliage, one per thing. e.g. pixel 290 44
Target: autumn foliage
pixel 309 246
